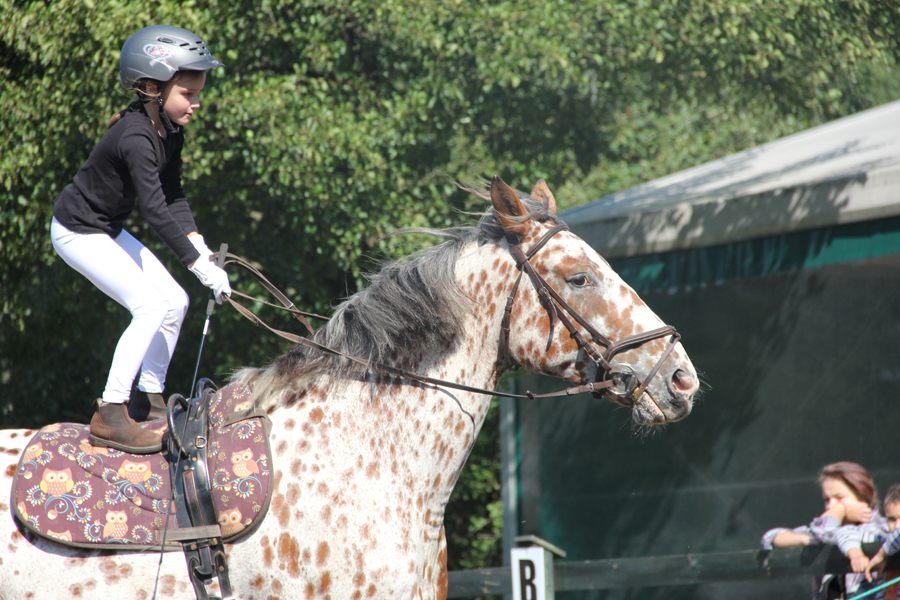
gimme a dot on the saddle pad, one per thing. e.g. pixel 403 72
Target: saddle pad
pixel 81 495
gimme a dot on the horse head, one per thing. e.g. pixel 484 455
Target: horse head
pixel 570 315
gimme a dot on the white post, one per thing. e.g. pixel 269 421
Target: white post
pixel 532 574
pixel 532 569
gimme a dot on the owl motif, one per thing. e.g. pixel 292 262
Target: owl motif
pixel 243 405
pixel 85 446
pixel 65 536
pixel 243 465
pixel 116 524
pixel 33 451
pixel 135 472
pixel 230 521
pixel 57 483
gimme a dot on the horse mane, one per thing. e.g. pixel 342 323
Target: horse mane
pixel 412 306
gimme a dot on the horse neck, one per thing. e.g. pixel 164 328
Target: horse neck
pixel 421 434
pixel 482 273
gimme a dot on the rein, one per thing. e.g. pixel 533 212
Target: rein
pixel 617 383
pixel 287 305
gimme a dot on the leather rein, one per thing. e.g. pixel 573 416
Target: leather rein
pixel 621 384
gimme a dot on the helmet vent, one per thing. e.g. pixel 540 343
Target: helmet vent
pixel 165 40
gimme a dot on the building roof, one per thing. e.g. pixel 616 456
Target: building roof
pixel 841 172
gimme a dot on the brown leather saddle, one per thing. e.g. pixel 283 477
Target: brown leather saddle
pixel 211 484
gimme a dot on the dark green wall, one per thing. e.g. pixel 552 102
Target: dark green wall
pixel 800 368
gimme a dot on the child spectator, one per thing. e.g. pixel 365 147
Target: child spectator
pixel 849 495
pixel 891 544
pixel 850 499
pixel 849 538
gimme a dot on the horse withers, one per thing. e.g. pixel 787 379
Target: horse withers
pixel 363 459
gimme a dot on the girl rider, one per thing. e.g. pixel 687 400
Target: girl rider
pixel 139 158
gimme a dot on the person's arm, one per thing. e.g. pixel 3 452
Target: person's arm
pixel 824 527
pixel 781 537
pixel 890 547
pixel 848 511
pixel 858 560
pixel 170 178
pixel 848 540
pixel 140 155
pixel 876 563
pixel 790 539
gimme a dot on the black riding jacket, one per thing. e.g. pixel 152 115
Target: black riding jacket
pixel 132 161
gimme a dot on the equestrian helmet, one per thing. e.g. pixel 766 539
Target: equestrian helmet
pixel 160 51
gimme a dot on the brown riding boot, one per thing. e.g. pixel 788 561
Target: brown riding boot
pixel 147 406
pixel 112 427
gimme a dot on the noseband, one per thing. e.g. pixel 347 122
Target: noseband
pixel 617 379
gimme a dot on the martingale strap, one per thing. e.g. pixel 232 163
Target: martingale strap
pixel 194 508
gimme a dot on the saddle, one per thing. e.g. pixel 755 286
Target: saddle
pixel 210 485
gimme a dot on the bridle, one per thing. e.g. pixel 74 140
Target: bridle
pixel 616 379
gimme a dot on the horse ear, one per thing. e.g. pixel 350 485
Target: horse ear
pixel 542 192
pixel 510 210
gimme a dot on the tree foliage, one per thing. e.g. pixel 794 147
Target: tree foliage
pixel 334 123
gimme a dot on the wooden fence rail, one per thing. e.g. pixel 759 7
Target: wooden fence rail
pixel 684 569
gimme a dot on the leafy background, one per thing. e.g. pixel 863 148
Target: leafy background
pixel 334 123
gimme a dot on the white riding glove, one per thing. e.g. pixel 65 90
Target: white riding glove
pixel 200 245
pixel 212 277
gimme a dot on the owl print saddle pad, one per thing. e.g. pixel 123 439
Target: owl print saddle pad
pixel 85 496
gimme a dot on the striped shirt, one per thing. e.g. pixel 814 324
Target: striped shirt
pixel 821 531
pixel 828 530
pixel 848 537
pixel 892 543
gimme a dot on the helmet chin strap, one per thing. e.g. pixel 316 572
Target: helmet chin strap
pixel 164 117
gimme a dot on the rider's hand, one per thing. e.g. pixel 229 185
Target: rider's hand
pixel 212 277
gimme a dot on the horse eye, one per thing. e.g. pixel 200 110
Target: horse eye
pixel 580 280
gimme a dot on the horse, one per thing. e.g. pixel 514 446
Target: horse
pixel 366 451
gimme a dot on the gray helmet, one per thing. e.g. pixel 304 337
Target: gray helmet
pixel 160 51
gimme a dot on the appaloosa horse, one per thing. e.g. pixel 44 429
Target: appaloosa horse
pixel 365 461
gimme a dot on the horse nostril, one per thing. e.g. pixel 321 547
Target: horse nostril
pixel 683 383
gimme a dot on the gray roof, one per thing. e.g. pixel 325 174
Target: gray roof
pixel 841 172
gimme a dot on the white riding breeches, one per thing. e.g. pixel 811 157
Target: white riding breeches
pixel 126 271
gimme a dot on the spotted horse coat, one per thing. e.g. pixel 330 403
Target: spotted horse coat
pixel 364 463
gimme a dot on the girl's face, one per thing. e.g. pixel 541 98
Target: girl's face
pixel 835 490
pixel 182 96
pixel 892 514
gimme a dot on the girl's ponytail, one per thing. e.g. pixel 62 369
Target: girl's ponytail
pixel 115 118
pixel 141 87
